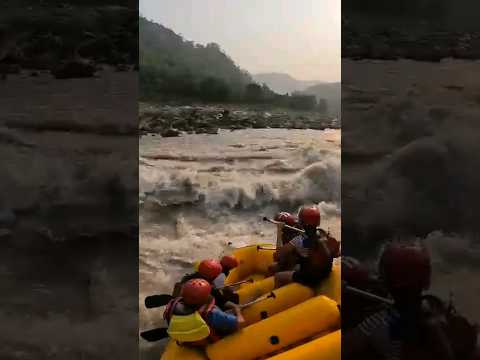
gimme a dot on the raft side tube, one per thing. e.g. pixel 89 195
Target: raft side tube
pixel 250 292
pixel 284 298
pixel 253 259
pixel 246 257
pixel 264 258
pixel 299 322
pixel 332 286
pixel 176 352
pixel 327 347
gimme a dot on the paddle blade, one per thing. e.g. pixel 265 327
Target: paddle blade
pixel 154 301
pixel 155 334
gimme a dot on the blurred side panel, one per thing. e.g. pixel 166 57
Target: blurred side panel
pixel 69 184
pixel 410 108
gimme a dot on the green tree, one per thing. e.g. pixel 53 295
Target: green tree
pixel 303 102
pixel 188 69
pixel 213 89
pixel 150 80
pixel 253 93
pixel 322 106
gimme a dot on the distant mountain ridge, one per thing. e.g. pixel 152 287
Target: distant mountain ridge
pixel 331 92
pixel 283 83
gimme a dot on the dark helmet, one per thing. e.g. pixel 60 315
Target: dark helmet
pixel 405 265
pixel 354 272
pixel 210 269
pixel 309 215
pixel 229 262
pixel 286 218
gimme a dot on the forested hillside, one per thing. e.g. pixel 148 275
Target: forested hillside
pixel 173 66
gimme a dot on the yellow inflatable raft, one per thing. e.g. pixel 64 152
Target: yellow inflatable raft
pixel 298 323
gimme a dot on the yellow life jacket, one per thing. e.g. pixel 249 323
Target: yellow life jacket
pixel 188 328
pixel 191 327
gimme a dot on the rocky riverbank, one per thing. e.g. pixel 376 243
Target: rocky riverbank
pixel 174 120
pixel 67 40
pixel 415 41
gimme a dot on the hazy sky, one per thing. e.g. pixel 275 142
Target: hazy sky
pixel 298 37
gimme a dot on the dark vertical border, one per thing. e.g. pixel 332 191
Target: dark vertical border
pixel 69 184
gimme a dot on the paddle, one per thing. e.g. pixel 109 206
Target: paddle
pixel 368 295
pixel 266 248
pixel 154 334
pixel 154 301
pixel 271 295
pixel 290 227
pixel 235 284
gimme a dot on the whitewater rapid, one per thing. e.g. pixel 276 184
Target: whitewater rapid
pixel 202 195
pixel 409 140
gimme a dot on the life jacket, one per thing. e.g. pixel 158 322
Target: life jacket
pixel 461 332
pixel 319 259
pixel 357 308
pixel 288 235
pixel 333 246
pixel 190 328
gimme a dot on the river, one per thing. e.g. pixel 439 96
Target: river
pixel 202 195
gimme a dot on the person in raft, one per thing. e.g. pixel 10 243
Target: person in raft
pixel 287 234
pixel 284 236
pixel 315 259
pixel 193 318
pixel 356 308
pixel 214 272
pixel 228 263
pixel 408 329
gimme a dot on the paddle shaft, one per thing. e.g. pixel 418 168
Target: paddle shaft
pixel 369 295
pixel 271 295
pixel 288 226
pixel 234 284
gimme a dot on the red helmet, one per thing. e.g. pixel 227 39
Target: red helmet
pixel 229 262
pixel 309 215
pixel 354 272
pixel 286 218
pixel 405 266
pixel 196 292
pixel 210 269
